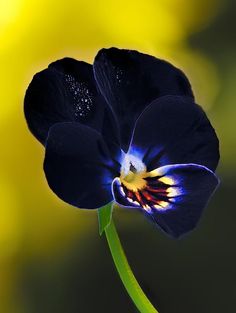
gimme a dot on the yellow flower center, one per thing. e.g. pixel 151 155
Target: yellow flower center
pixel 133 173
pixel 134 181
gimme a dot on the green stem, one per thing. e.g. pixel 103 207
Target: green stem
pixel 125 272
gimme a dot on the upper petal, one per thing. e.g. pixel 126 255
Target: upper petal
pixel 130 80
pixel 66 92
pixel 78 165
pixel 172 130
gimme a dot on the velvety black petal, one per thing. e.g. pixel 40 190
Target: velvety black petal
pixel 66 92
pixel 78 165
pixel 130 80
pixel 172 130
pixel 173 198
pixel 190 188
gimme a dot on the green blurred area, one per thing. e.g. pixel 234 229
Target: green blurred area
pixel 51 256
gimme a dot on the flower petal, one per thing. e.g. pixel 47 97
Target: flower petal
pixel 173 130
pixel 174 197
pixel 130 80
pixel 66 92
pixel 189 192
pixel 78 165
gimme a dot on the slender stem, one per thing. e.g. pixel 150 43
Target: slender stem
pixel 125 272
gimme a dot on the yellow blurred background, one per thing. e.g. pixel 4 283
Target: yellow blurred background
pixel 38 231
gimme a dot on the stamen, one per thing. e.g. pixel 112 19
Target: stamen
pixel 133 164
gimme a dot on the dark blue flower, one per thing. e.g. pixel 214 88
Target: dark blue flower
pixel 125 129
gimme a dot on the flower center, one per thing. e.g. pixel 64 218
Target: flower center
pixel 133 173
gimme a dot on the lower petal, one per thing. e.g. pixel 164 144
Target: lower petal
pixel 174 196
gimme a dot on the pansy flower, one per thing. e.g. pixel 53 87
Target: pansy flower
pixel 125 129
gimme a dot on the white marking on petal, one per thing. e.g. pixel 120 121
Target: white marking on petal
pixel 136 162
pixel 122 191
pixel 130 200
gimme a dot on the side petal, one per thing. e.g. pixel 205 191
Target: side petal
pixel 173 130
pixel 66 92
pixel 130 80
pixel 78 165
pixel 173 198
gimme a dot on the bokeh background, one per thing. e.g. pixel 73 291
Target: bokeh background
pixel 51 256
